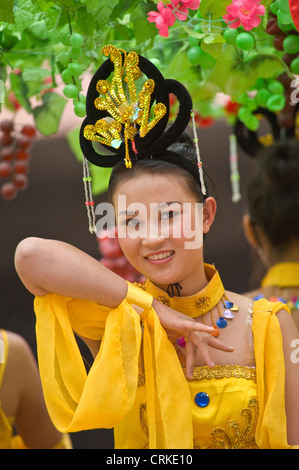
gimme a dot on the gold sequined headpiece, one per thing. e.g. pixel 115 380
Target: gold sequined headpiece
pixel 126 110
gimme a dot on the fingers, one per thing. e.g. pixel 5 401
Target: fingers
pixel 188 325
pixel 190 358
pixel 197 343
pixel 201 345
pixel 216 344
pixel 192 346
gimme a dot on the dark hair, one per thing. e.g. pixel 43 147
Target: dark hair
pixel 273 196
pixel 184 147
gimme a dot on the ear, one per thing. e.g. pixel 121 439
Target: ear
pixel 250 233
pixel 209 212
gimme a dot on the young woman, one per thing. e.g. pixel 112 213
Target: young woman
pixel 272 224
pixel 161 377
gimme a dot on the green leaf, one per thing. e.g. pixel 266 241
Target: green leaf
pixel 266 66
pixel 47 116
pixel 99 179
pixel 3 72
pixel 35 73
pixel 73 141
pixel 266 3
pixel 25 14
pixel 213 39
pixel 39 29
pixel 214 8
pixel 192 33
pixel 6 11
pixel 215 50
pixel 143 29
pixel 180 69
pixel 232 75
pixel 101 11
pixel 99 176
pixel 2 92
pixel 123 8
pixel 85 22
pixel 21 91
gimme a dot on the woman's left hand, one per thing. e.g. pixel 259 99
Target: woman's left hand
pixel 197 335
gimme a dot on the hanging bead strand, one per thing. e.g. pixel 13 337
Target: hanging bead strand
pixel 89 203
pixel 234 170
pixel 199 162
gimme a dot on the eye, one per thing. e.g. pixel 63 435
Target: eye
pixel 132 222
pixel 169 215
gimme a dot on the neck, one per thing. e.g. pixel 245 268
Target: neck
pixel 289 255
pixel 190 285
pixel 270 256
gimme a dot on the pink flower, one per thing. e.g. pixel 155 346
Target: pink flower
pixel 180 10
pixel 163 20
pixel 177 9
pixel 244 12
pixel 191 4
pixel 181 7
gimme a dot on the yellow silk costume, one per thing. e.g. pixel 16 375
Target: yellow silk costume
pixel 282 275
pixel 7 438
pixel 137 385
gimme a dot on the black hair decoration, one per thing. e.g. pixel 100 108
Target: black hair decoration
pixel 281 128
pixel 114 119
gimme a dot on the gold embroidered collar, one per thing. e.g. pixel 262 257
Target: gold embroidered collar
pixel 193 305
pixel 282 275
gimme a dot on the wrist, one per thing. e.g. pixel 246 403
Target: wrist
pixel 140 299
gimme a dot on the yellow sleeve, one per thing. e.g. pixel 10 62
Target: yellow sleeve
pixel 74 400
pixel 272 426
pixel 77 401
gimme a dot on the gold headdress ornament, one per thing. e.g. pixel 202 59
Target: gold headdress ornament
pixel 126 111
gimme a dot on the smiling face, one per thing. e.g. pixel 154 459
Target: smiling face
pixel 160 225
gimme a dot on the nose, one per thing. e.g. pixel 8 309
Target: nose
pixel 154 241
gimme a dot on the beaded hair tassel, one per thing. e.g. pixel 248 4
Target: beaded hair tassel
pixel 89 203
pixel 199 162
pixel 234 172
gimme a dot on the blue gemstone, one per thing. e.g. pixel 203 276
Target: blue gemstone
pixel 116 143
pixel 258 297
pixel 221 322
pixel 228 304
pixel 135 114
pixel 202 399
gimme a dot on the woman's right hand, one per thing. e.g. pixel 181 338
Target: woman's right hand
pixel 197 335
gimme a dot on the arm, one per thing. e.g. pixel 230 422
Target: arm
pixel 50 266
pixel 289 334
pixel 23 390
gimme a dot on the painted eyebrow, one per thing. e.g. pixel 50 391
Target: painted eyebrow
pixel 126 213
pixel 134 213
pixel 173 202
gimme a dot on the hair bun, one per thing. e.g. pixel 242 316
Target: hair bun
pixel 281 163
